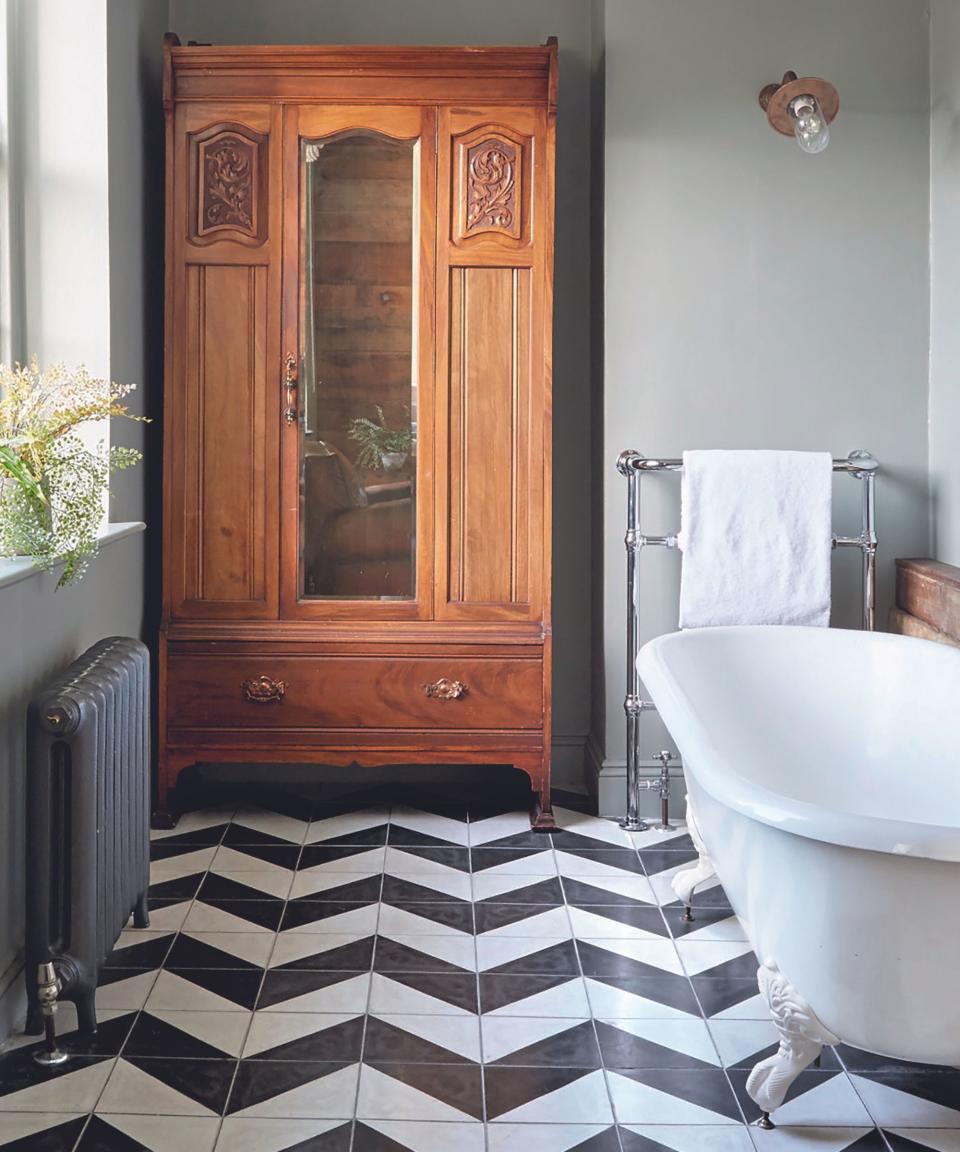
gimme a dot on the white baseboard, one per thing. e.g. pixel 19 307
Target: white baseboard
pixel 607 780
pixel 13 1000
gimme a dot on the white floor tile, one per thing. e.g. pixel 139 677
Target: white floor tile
pixel 383 1098
pixel 429 824
pixel 503 1035
pixel 431 1136
pixel 167 1133
pixel 334 828
pixel 611 1002
pixel 892 1108
pixel 460 1034
pixel 271 1029
pixel 697 1138
pixel 270 1135
pixel 553 923
pixel 541 1137
pixel 391 997
pixel 331 1097
pixel 75 1091
pixel 348 996
pixel 584 1101
pixel 130 1090
pixel 565 1000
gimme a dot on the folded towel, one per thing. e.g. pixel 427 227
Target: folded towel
pixel 756 534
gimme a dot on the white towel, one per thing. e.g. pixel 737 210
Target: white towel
pixel 756 534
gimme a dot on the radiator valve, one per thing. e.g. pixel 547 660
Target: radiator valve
pixel 48 993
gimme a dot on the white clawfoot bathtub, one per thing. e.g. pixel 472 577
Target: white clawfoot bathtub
pixel 823 771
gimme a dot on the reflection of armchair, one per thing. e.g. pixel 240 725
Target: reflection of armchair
pixel 357 540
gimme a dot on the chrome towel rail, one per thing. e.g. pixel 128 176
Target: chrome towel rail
pixel 860 465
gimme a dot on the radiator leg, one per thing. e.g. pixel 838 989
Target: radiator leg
pixel 141 913
pixel 87 1013
pixel 48 991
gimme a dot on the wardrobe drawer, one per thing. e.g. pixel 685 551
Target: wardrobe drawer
pixel 353 692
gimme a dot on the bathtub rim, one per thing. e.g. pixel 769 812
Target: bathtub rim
pixel 720 778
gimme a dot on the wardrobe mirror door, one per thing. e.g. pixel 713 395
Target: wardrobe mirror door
pixel 355 392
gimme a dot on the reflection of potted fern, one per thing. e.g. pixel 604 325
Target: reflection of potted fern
pixel 52 482
pixel 381 448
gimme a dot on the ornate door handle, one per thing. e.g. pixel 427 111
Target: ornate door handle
pixel 290 387
pixel 444 689
pixel 264 689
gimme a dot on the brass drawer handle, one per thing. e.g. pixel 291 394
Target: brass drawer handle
pixel 264 689
pixel 445 689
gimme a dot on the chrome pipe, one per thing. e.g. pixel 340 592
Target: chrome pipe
pixel 632 704
pixel 869 554
pixel 858 463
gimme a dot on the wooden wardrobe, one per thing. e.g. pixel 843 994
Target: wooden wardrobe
pixel 357 441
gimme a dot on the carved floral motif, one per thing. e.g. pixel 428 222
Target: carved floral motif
pixel 802 1036
pixel 228 178
pixel 492 186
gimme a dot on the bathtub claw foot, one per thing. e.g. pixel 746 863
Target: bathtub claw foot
pixel 765 1122
pixel 685 882
pixel 802 1038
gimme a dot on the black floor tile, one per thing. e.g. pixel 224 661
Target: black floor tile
pixel 456 988
pixel 260 1080
pixel 56 1138
pixel 575 1047
pixel 510 1088
pixel 529 890
pixel 356 956
pixel 205 1081
pixel 261 913
pixel 458 1085
pixel 305 910
pixel 389 1044
pixel 188 952
pixel 392 956
pixel 239 986
pixel 552 960
pixel 457 915
pixel 283 984
pixel 314 855
pixel 499 991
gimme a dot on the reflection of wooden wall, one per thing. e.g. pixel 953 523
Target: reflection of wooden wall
pixel 362 283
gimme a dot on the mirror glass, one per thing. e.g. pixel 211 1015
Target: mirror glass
pixel 358 371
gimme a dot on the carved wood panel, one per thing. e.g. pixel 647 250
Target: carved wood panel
pixel 492 168
pixel 225 424
pixel 489 405
pixel 228 173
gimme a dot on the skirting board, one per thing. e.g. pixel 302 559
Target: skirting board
pixel 607 780
pixel 13 1000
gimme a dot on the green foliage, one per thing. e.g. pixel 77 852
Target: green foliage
pixel 52 483
pixel 376 439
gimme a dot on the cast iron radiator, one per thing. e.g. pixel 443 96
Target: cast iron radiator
pixel 88 812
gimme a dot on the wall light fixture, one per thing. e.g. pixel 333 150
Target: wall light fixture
pixel 801 108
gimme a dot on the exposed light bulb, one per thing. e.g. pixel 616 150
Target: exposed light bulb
pixel 810 127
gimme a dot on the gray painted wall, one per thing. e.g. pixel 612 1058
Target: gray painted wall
pixel 945 278
pixel 44 629
pixel 757 297
pixel 494 22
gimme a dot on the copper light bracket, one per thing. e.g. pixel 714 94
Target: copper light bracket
pixel 775 99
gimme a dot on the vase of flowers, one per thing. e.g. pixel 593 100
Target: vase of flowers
pixel 52 480
pixel 382 448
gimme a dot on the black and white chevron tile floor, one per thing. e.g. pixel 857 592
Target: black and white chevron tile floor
pixel 405 974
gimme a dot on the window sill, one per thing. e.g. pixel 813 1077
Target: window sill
pixel 13 570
